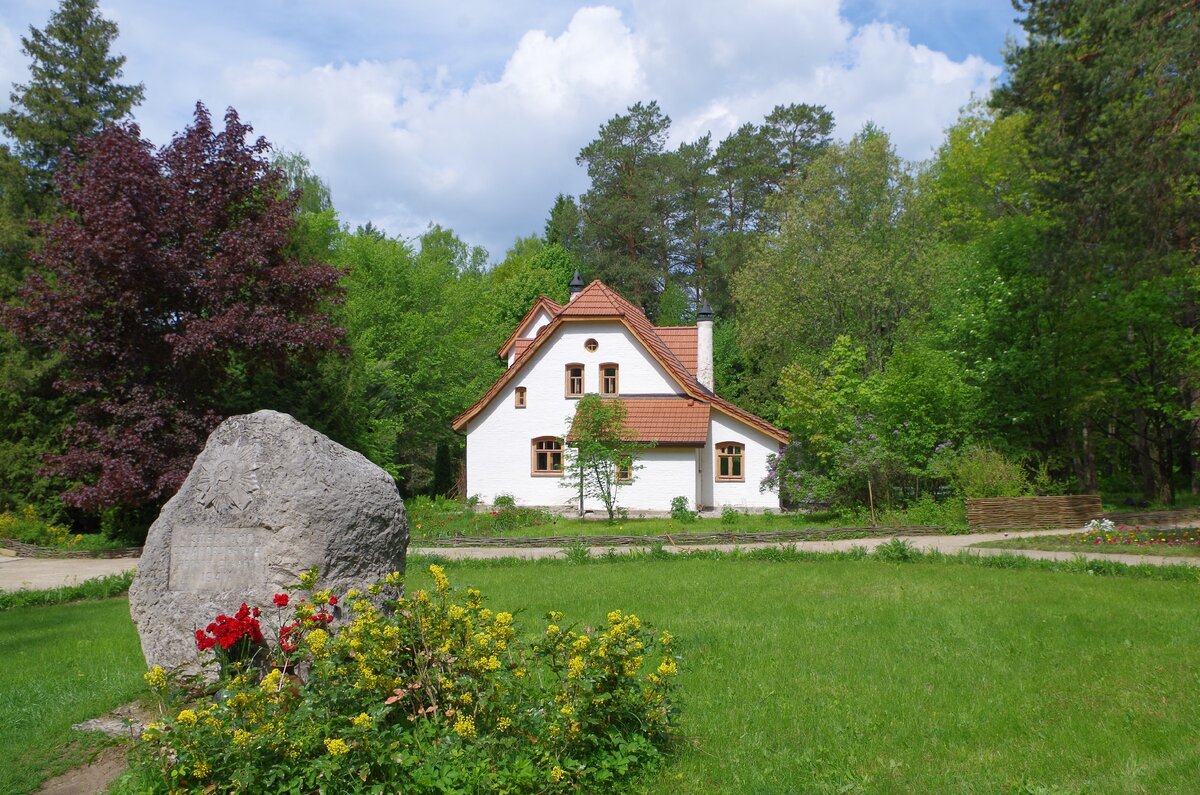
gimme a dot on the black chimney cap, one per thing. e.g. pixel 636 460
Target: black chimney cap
pixel 705 314
pixel 576 283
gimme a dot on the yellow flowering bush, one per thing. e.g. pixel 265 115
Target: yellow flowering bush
pixel 422 693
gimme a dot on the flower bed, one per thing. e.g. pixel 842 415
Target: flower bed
pixel 1105 532
pixel 431 692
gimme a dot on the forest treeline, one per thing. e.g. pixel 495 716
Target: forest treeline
pixel 1025 299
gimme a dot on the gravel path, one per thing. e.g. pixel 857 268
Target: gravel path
pixel 17 573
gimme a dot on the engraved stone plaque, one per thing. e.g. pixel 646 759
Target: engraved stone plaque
pixel 267 499
pixel 207 559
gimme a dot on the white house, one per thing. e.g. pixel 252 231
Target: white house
pixel 705 448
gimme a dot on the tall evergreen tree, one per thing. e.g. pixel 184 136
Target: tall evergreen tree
pixel 693 199
pixel 624 210
pixel 73 89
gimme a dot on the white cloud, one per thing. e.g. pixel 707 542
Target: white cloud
pixel 473 118
pixel 12 62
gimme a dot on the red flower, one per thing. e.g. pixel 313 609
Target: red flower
pixel 333 600
pixel 286 641
pixel 280 600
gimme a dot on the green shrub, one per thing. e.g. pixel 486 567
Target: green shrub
pixel 512 517
pixel 730 516
pixel 950 513
pixel 680 511
pixel 430 693
pixel 29 527
pixel 983 472
pixel 504 501
pixel 897 550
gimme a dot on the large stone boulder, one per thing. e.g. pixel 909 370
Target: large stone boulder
pixel 268 499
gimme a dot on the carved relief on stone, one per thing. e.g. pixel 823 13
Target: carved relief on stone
pixel 229 481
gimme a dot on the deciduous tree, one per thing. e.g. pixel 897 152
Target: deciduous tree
pixel 165 283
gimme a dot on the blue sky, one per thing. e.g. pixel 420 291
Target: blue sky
pixel 470 114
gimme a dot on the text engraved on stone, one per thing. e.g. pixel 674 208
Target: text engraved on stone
pixel 216 559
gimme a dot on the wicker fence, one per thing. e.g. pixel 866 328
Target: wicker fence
pixel 1030 513
pixel 24 550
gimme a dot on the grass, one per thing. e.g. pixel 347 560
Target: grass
pixel 95 588
pixel 1173 542
pixel 813 673
pixel 430 520
pixel 864 676
pixel 62 664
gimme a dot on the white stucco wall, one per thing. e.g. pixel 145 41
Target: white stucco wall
pixel 499 437
pixel 743 494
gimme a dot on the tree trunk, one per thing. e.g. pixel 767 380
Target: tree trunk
pixel 1145 462
pixel 1090 481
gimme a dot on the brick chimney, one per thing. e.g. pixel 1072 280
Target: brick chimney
pixel 704 346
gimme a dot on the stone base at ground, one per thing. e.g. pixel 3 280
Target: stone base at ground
pixel 266 500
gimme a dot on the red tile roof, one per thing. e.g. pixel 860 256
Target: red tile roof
pixel 667 420
pixel 552 308
pixel 598 300
pixel 682 342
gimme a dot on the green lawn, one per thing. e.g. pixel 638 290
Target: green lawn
pixel 833 676
pixel 875 677
pixel 1174 542
pixel 430 521
pixel 60 665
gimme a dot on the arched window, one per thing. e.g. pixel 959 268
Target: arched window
pixel 609 380
pixel 730 461
pixel 547 456
pixel 574 380
pixel 519 397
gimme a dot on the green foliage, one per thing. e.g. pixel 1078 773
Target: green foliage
pixel 949 514
pixel 680 511
pixel 31 527
pixel 980 471
pixel 897 550
pixel 625 209
pixel 600 444
pixel 427 693
pixel 845 261
pixel 423 337
pixel 72 90
pixel 730 515
pixel 504 501
pixel 94 588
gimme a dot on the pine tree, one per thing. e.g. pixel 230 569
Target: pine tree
pixel 72 91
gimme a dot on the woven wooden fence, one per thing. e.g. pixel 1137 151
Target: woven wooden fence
pixel 1029 513
pixel 33 551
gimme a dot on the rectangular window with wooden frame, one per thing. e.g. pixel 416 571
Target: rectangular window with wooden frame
pixel 625 470
pixel 519 397
pixel 609 380
pixel 730 463
pixel 547 457
pixel 574 380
